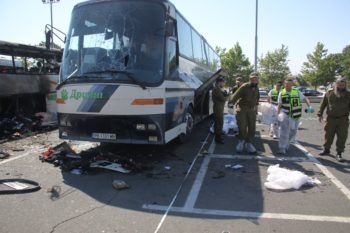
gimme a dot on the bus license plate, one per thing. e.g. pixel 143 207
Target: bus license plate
pixel 108 136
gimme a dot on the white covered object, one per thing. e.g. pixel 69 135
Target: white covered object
pixel 229 123
pixel 283 179
pixel 267 113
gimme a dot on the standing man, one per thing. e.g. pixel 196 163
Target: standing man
pixel 290 104
pixel 337 105
pixel 272 98
pixel 219 98
pixel 239 82
pixel 247 99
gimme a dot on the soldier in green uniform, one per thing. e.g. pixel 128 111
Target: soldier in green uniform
pixel 246 99
pixel 239 82
pixel 337 104
pixel 219 99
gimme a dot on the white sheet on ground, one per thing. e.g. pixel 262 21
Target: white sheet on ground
pixel 282 179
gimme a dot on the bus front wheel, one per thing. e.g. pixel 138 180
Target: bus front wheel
pixel 189 126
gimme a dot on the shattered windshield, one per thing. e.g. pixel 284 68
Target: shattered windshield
pixel 115 41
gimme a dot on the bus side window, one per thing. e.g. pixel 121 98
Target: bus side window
pixel 171 58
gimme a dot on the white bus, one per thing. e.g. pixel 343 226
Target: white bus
pixel 133 72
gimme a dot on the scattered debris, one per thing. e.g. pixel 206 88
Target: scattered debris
pixel 12 186
pixel 14 127
pixel 120 184
pixel 76 171
pixel 4 155
pixel 234 166
pixel 109 165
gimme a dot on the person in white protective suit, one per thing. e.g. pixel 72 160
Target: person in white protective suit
pixel 272 99
pixel 289 112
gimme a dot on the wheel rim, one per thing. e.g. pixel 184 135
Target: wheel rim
pixel 189 120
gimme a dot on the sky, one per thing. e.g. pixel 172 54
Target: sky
pixel 297 24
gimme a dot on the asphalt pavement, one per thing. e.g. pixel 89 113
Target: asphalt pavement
pixel 198 186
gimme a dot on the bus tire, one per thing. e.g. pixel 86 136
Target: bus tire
pixel 189 126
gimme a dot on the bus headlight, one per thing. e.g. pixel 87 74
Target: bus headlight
pixel 140 127
pixel 152 127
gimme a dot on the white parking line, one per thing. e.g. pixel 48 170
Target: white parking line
pixel 195 190
pixel 325 171
pixel 247 214
pixel 14 158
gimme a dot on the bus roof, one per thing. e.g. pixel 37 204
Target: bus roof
pixel 22 50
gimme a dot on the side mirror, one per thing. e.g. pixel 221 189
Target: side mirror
pixel 170 28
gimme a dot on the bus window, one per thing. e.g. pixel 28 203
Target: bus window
pixel 184 33
pixel 171 58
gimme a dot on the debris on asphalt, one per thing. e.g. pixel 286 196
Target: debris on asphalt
pixel 17 185
pixel 76 171
pixel 18 126
pixel 4 155
pixel 233 166
pixel 109 165
pixel 120 184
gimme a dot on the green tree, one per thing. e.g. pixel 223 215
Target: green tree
pixel 235 63
pixel 334 62
pixel 320 69
pixel 273 66
pixel 345 63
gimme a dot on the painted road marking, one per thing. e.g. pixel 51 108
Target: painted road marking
pixel 325 171
pixel 247 214
pixel 196 187
pixel 14 158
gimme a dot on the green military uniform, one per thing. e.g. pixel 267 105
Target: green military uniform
pixel 337 122
pixel 234 89
pixel 219 99
pixel 246 99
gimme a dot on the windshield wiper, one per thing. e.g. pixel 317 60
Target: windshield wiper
pixel 127 74
pixel 69 77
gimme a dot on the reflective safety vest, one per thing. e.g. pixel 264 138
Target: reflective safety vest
pixel 274 96
pixel 291 103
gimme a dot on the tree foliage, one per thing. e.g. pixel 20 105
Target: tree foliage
pixel 273 66
pixel 319 69
pixel 345 63
pixel 235 63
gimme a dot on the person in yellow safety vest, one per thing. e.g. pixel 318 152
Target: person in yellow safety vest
pixel 289 112
pixel 272 97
